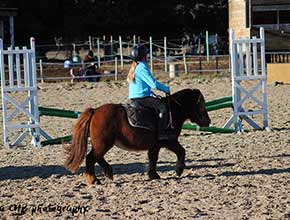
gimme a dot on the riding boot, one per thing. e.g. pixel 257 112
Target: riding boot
pixel 164 131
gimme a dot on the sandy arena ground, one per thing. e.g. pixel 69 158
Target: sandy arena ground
pixel 228 176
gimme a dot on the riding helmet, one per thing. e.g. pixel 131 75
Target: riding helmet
pixel 138 52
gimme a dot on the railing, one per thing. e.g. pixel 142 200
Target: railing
pixel 49 71
pixel 278 57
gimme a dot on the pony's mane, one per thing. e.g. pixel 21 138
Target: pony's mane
pixel 185 92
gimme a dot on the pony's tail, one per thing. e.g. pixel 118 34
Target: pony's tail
pixel 78 148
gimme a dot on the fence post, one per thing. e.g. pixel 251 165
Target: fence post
pixel 185 64
pixel 121 52
pixel 200 66
pixel 74 49
pixel 112 45
pixel 116 68
pixel 134 40
pixel 216 64
pixel 165 55
pixel 41 71
pixel 207 47
pixel 90 43
pixel 151 54
pixel 98 52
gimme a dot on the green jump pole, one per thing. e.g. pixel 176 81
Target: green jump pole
pixel 209 129
pixel 56 140
pixel 218 101
pixel 224 102
pixel 58 112
pixel 219 106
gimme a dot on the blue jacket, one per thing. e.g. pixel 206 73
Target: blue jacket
pixel 144 82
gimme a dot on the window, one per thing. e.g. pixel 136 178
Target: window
pixel 265 17
pixel 284 17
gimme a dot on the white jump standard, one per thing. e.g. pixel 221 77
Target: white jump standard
pixel 19 77
pixel 247 68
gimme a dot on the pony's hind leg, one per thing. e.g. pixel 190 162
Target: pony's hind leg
pixel 100 148
pixel 108 170
pixel 180 153
pixel 153 157
pixel 90 168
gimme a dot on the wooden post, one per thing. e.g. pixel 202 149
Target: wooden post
pixel 151 54
pixel 199 46
pixel 165 54
pixel 200 66
pixel 216 64
pixel 121 52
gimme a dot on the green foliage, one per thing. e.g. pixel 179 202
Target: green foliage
pixel 76 19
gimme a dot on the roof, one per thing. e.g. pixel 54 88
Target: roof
pixel 8 11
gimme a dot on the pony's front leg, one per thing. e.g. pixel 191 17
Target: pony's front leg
pixel 153 158
pixel 90 169
pixel 180 153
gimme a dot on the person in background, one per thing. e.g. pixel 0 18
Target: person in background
pixel 89 57
pixel 76 73
pixel 141 83
pixel 91 73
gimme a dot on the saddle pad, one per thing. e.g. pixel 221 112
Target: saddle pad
pixel 140 117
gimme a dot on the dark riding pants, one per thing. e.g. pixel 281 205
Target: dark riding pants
pixel 158 105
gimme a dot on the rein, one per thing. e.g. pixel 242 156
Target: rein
pixel 170 113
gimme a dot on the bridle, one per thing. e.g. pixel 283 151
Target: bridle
pixel 171 98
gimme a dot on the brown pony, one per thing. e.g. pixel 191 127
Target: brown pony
pixel 108 126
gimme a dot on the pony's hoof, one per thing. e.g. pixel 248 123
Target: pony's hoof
pixel 91 179
pixel 179 170
pixel 153 176
pixel 109 174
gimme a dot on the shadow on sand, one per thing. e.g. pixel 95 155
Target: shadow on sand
pixel 26 172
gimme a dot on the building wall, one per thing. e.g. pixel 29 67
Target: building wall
pixel 267 2
pixel 237 18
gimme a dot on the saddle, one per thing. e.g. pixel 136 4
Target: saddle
pixel 141 117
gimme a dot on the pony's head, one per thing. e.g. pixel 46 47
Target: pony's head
pixel 193 106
